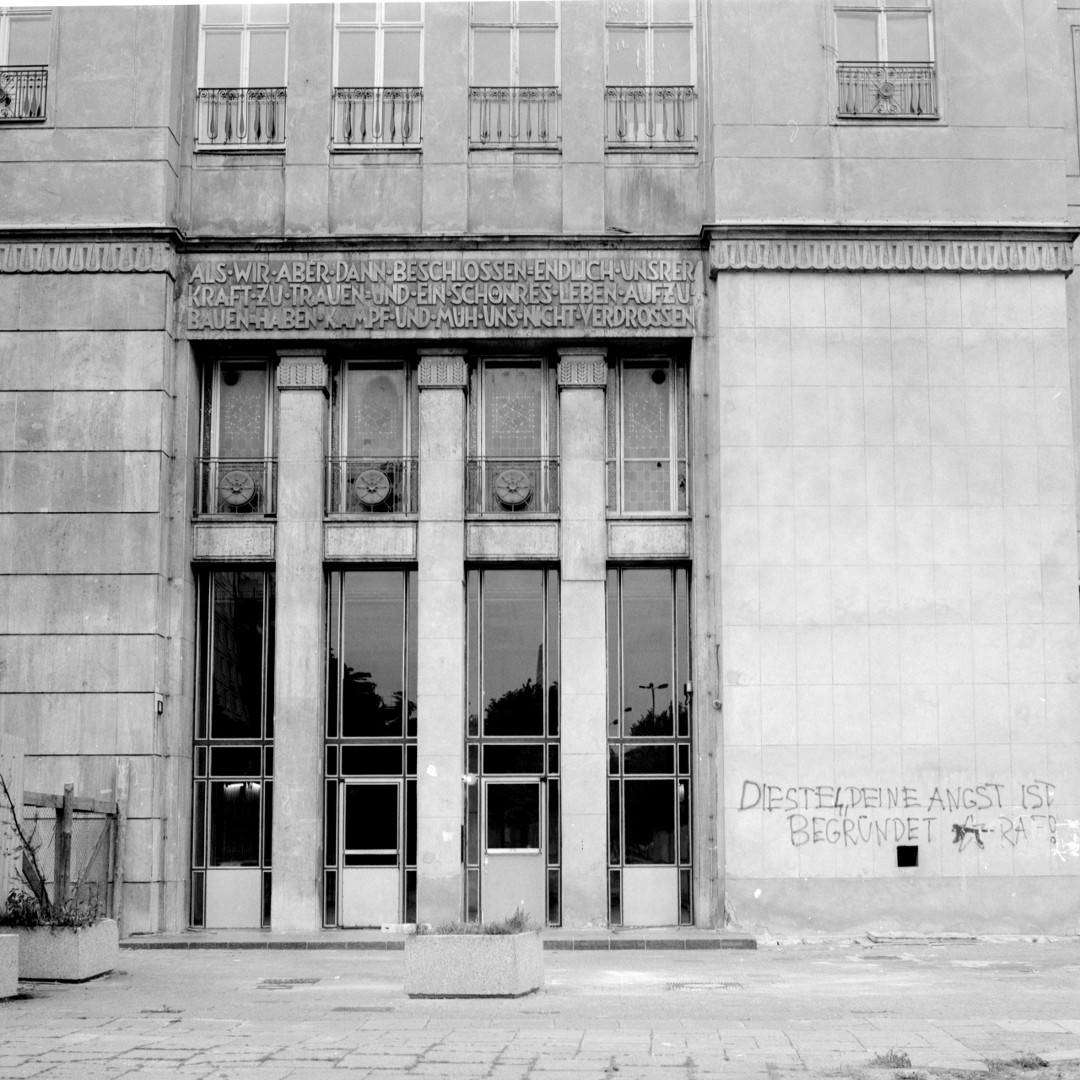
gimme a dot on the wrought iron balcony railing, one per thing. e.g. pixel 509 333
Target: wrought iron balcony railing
pixel 22 92
pixel 377 117
pixel 239 118
pixel 512 485
pixel 234 486
pixel 900 91
pixel 514 116
pixel 651 117
pixel 365 485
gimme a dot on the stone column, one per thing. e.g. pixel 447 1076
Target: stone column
pixel 440 692
pixel 299 631
pixel 583 693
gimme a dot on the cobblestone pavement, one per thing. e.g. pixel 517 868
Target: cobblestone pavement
pixel 805 1010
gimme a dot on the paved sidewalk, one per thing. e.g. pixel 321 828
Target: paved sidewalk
pixel 804 1010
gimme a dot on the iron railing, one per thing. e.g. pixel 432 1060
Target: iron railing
pixel 514 116
pixel 366 485
pixel 512 485
pixel 234 486
pixel 900 91
pixel 238 118
pixel 23 92
pixel 648 117
pixel 377 117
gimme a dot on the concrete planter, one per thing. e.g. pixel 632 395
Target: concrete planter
pixel 66 955
pixel 9 965
pixel 473 965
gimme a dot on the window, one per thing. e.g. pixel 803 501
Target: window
pixel 650 74
pixel 512 739
pixel 647 456
pixel 378 97
pixel 649 759
pixel 24 62
pixel 235 474
pixel 242 65
pixel 233 741
pixel 370 746
pixel 373 466
pixel 514 83
pixel 885 59
pixel 513 465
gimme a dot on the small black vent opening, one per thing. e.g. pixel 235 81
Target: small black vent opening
pixel 907 854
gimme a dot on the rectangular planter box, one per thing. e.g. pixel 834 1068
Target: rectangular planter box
pixel 9 965
pixel 473 965
pixel 67 955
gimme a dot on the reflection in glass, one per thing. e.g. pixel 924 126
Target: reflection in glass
pixel 649 815
pixel 237 662
pixel 513 652
pixel 370 825
pixel 513 817
pixel 234 823
pixel 373 628
pixel 647 621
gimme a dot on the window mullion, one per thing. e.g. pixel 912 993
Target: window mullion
pixel 883 36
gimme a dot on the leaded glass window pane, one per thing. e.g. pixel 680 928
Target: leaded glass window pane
pixel 513 399
pixel 241 421
pixel 375 423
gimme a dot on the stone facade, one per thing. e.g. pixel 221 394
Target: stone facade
pixel 870 321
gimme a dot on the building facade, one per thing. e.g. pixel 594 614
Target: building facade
pixel 615 459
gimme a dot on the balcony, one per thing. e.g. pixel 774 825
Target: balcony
pixel 377 117
pixel 512 486
pixel 239 118
pixel 372 485
pixel 22 93
pixel 234 486
pixel 650 118
pixel 887 91
pixel 514 117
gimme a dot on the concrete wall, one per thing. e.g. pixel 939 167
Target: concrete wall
pixel 88 603
pixel 899 602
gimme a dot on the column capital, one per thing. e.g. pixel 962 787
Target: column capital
pixel 302 369
pixel 442 369
pixel 582 368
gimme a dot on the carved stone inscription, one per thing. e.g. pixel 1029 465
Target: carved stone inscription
pixel 577 294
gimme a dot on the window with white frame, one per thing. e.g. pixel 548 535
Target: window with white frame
pixel 378 50
pixel 243 59
pixel 885 59
pixel 650 73
pixel 25 34
pixel 514 73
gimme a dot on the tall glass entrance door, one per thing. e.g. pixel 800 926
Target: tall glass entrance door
pixel 371 844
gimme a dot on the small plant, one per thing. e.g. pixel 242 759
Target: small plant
pixel 891 1059
pixel 518 923
pixel 1024 1061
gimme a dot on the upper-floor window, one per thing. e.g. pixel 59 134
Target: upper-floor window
pixel 373 440
pixel 650 74
pixel 514 76
pixel 24 62
pixel 885 59
pixel 513 462
pixel 235 473
pixel 242 64
pixel 378 96
pixel 647 439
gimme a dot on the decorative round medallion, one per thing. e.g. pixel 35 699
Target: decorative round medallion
pixel 513 487
pixel 886 90
pixel 372 486
pixel 236 488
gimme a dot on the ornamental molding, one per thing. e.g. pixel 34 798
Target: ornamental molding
pixel 1045 253
pixel 302 372
pixel 442 371
pixel 85 257
pixel 587 371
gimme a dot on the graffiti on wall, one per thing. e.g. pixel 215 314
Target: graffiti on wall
pixel 967 816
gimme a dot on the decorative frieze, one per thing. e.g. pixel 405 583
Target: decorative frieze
pixel 582 368
pixel 1045 254
pixel 78 257
pixel 302 370
pixel 443 370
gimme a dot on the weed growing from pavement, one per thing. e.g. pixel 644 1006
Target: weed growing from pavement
pixel 1024 1061
pixel 892 1059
